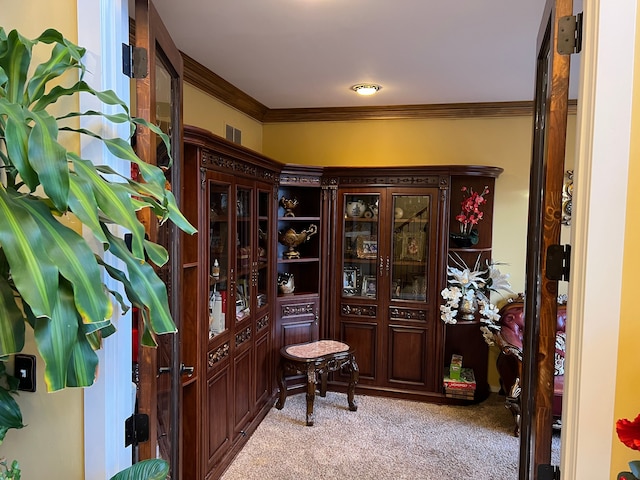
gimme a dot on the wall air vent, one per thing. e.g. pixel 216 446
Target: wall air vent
pixel 233 134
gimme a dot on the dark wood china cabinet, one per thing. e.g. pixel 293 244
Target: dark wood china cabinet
pixel 289 254
pixel 232 192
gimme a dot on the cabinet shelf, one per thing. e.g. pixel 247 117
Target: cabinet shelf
pixel 298 260
pixel 470 250
pixel 298 219
pixel 297 294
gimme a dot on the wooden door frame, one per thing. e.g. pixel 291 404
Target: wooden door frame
pixel 148 38
pixel 545 214
pixel 598 225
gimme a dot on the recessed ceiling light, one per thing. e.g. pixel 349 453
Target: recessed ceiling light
pixel 366 88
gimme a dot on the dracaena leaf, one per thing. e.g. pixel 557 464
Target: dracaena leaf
pixel 152 469
pixel 14 61
pixel 114 201
pixel 49 159
pixel 16 139
pixel 10 415
pixel 33 272
pixel 56 338
pixel 75 261
pixel 150 289
pixel 11 321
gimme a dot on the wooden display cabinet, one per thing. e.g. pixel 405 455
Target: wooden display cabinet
pixel 464 338
pixel 301 208
pixel 235 298
pixel 387 247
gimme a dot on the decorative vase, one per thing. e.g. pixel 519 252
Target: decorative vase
pixel 355 209
pixel 465 240
pixel 468 308
pixel 291 239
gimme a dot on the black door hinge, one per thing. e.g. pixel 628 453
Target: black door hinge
pixel 570 34
pixel 136 429
pixel 558 262
pixel 134 61
pixel 548 472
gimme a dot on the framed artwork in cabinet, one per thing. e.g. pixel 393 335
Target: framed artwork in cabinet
pixel 350 280
pixel 369 286
pixel 367 246
pixel 412 246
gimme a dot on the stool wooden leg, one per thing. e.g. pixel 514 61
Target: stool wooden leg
pixel 311 393
pixel 323 383
pixel 282 397
pixel 353 380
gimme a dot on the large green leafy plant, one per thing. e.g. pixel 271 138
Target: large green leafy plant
pixel 51 279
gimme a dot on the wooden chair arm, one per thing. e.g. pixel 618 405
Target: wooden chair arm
pixel 508 348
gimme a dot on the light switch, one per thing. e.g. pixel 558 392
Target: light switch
pixel 25 372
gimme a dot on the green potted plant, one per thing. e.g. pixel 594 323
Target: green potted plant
pixel 51 280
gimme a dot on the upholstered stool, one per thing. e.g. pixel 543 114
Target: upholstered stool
pixel 317 359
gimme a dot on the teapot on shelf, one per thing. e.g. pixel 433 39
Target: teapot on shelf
pixel 355 208
pixel 291 239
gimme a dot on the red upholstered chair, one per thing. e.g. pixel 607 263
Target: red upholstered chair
pixel 509 362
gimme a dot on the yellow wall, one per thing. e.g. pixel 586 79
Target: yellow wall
pixel 205 111
pixel 500 142
pixel 53 441
pixel 627 386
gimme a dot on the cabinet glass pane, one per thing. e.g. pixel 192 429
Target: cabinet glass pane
pixel 218 257
pixel 360 245
pixel 409 247
pixel 262 273
pixel 243 253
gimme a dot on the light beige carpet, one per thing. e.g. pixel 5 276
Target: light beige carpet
pixel 384 439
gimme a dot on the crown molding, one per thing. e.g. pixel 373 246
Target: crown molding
pixel 201 77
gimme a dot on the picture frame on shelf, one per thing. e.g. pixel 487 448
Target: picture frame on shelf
pixel 367 246
pixel 412 246
pixel 368 286
pixel 350 276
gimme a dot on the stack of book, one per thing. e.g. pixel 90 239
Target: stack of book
pixel 463 388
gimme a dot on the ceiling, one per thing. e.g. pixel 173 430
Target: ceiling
pixel 308 53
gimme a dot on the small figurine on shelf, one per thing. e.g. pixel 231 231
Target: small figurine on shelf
pixel 289 204
pixel 285 283
pixel 215 270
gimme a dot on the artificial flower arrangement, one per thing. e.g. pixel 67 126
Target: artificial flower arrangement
pixel 629 434
pixel 470 213
pixel 468 290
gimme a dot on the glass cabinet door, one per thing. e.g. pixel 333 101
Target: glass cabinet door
pixel 409 256
pixel 262 264
pixel 243 253
pixel 360 245
pixel 218 256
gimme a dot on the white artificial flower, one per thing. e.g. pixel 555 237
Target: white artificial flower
pixel 498 281
pixel 489 311
pixel 447 314
pixel 487 335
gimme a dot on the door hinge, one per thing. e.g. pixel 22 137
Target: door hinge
pixel 134 61
pixel 548 472
pixel 570 34
pixel 558 264
pixel 136 429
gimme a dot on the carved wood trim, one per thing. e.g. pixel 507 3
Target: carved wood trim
pixel 243 336
pixel 234 167
pixel 358 310
pixel 262 323
pixel 397 313
pixel 218 354
pixel 298 309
